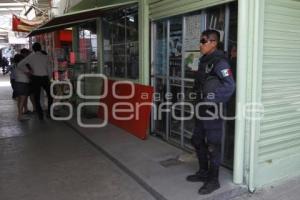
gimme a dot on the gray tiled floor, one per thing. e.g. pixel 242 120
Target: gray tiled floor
pixel 51 160
pixel 284 190
pixel 47 161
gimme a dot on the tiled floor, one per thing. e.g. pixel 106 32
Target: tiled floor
pixel 41 160
pixel 47 160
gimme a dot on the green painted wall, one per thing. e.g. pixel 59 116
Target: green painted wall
pixel 279 139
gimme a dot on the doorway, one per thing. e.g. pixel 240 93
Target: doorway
pixel 175 56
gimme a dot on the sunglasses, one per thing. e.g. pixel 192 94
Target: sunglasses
pixel 204 41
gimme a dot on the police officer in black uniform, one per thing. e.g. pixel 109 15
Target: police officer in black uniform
pixel 214 86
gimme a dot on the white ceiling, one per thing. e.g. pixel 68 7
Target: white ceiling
pixel 10 7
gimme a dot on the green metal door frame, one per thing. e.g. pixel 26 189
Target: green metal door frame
pixel 249 86
pixel 144 44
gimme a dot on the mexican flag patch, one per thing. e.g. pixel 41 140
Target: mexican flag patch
pixel 226 72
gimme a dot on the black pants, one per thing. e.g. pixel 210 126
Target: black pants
pixel 39 82
pixel 207 143
pixel 12 83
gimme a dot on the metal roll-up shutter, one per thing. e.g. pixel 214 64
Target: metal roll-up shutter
pixel 91 4
pixel 279 140
pixel 166 8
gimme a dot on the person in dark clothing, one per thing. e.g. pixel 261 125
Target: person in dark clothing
pixel 4 63
pixel 39 65
pixel 25 52
pixel 214 86
pixel 11 68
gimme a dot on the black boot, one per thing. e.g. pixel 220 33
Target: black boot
pixel 200 176
pixel 209 187
pixel 212 183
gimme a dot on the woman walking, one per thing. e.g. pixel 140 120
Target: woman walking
pixel 21 85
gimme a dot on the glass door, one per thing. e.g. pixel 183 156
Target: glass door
pixel 175 79
pixel 175 54
pixel 159 74
pixel 172 77
pixel 194 24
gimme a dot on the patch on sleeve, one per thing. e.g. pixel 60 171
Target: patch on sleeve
pixel 226 72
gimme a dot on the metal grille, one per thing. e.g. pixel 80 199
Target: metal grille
pixel 280 128
pixel 165 8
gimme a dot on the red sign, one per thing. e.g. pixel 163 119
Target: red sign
pixel 65 36
pixel 19 26
pixel 131 114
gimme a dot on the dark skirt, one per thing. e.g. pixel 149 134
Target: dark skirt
pixel 21 89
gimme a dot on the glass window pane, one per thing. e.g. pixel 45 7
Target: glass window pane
pixel 177 111
pixel 160 119
pixel 132 44
pixel 216 20
pixel 88 43
pixel 132 24
pixel 175 45
pixel 160 58
pixel 191 44
pixel 132 60
pixel 119 60
pixel 121 43
pixel 107 51
pixel 118 34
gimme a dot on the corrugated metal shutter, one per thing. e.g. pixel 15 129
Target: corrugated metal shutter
pixel 90 4
pixel 166 8
pixel 280 128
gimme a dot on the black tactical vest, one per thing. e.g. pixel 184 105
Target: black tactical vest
pixel 206 79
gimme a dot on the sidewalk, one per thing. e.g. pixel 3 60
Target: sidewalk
pixel 288 190
pixel 145 162
pixel 47 160
pixel 153 163
pixel 54 160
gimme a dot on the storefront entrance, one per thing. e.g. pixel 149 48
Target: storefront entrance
pixel 175 56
